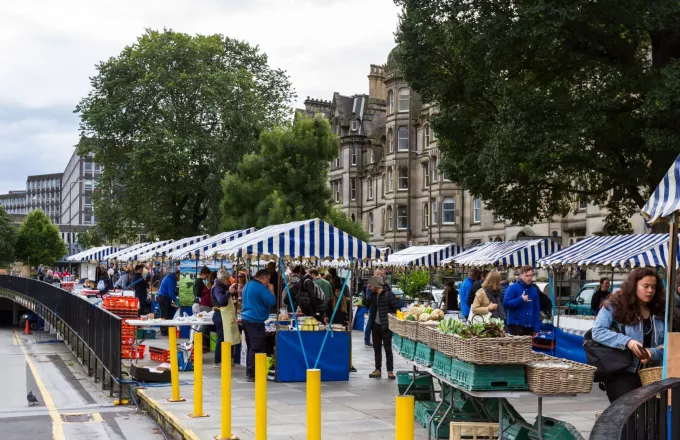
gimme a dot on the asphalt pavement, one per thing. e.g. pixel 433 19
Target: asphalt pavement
pixel 70 405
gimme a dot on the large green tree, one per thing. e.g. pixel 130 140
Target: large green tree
pixel 39 241
pixel 542 102
pixel 166 118
pixel 8 238
pixel 287 180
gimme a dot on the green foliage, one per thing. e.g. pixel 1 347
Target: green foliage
pixel 93 237
pixel 8 238
pixel 39 241
pixel 167 118
pixel 342 221
pixel 413 283
pixel 543 102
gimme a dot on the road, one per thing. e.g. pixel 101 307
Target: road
pixel 71 406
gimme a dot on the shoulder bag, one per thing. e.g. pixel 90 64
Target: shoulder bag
pixel 607 360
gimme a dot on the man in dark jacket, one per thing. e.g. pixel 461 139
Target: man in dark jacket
pixel 599 296
pixel 302 290
pixel 139 286
pixel 382 303
pixel 475 288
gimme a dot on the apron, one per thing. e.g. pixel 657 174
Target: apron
pixel 231 333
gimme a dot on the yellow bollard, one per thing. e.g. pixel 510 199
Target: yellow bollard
pixel 198 376
pixel 314 404
pixel 405 420
pixel 174 367
pixel 226 394
pixel 261 396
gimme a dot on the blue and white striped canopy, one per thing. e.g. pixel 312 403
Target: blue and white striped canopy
pixel 622 251
pixel 308 239
pixel 666 198
pixel 95 254
pixel 134 254
pixel 115 255
pixel 423 256
pixel 506 254
pixel 197 250
pixel 164 251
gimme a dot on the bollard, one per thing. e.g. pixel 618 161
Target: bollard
pixel 314 404
pixel 198 376
pixel 405 420
pixel 174 367
pixel 261 396
pixel 225 433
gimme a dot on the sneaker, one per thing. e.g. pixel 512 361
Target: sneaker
pixel 390 375
pixel 368 345
pixel 375 375
pixel 250 379
pixel 216 365
pixel 352 369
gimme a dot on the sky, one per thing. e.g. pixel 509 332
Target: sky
pixel 49 49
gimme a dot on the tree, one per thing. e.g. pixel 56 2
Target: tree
pixel 39 241
pixel 8 238
pixel 413 283
pixel 91 238
pixel 166 118
pixel 286 181
pixel 543 102
pixel 342 221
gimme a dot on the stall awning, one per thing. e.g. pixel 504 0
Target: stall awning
pixel 666 198
pixel 95 254
pixel 622 251
pixel 198 250
pixel 164 251
pixel 133 254
pixel 423 256
pixel 506 254
pixel 308 239
pixel 115 255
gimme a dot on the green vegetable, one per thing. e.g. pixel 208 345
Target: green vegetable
pixel 411 318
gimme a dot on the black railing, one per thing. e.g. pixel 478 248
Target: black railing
pixel 650 413
pixel 92 332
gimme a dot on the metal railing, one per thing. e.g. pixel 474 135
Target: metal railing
pixel 93 333
pixel 651 412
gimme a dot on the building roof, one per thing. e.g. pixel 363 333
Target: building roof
pixel 44 176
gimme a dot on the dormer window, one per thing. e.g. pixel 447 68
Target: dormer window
pixel 355 125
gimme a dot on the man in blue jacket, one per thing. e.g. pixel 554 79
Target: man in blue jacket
pixel 522 305
pixel 258 297
pixel 167 297
pixel 464 291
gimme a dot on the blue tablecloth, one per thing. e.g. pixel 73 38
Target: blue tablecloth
pixel 569 346
pixel 334 361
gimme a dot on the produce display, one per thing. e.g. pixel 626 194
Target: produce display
pixel 426 315
pixel 492 329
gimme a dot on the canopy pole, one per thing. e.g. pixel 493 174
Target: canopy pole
pixel 670 286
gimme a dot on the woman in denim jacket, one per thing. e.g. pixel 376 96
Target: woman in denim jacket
pixel 639 309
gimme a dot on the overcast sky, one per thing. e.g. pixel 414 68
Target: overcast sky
pixel 48 50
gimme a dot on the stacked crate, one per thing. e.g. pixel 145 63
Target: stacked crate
pixel 127 308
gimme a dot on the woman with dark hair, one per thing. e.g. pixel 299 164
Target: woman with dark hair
pixel 632 319
pixel 599 296
pixel 342 314
pixel 450 296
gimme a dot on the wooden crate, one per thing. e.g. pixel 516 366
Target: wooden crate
pixel 474 430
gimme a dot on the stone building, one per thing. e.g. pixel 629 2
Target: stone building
pixel 386 176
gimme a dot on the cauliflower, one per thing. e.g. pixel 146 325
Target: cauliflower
pixel 437 315
pixel 424 317
pixel 416 311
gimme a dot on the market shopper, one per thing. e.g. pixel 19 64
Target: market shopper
pixel 167 296
pixel 325 287
pixel 523 305
pixel 367 300
pixel 125 279
pixel 258 297
pixel 236 289
pixel 104 285
pixel 600 296
pixel 302 292
pixel 382 303
pixel 342 313
pixel 465 290
pixel 140 288
pixel 487 303
pixel 273 276
pixel 224 314
pixel 203 302
pixel 476 286
pixel 632 319
pixel 450 296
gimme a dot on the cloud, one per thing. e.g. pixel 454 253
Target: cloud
pixel 49 50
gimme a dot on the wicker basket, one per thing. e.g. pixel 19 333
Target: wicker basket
pixel 544 378
pixel 426 334
pixel 443 343
pixel 395 325
pixel 410 329
pixel 489 351
pixel 650 375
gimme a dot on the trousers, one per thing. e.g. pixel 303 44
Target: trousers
pixel 382 338
pixel 255 340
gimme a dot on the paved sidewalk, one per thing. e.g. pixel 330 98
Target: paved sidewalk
pixel 362 408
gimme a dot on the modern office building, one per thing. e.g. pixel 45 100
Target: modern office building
pixel 14 202
pixel 44 192
pixel 78 182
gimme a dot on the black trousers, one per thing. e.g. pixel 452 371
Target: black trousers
pixel 255 340
pixel 620 384
pixel 164 305
pixel 382 338
pixel 219 330
pixel 518 330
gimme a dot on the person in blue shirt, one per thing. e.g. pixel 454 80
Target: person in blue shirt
pixel 167 298
pixel 258 297
pixel 464 291
pixel 523 305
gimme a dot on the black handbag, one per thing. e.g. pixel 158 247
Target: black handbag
pixel 607 360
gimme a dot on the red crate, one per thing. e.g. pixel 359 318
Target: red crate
pixel 127 330
pixel 121 302
pixel 159 355
pixel 132 353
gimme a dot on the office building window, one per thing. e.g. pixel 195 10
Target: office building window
pixel 390 179
pixel 388 218
pixel 353 189
pixel 426 216
pixel 477 210
pixel 370 188
pixel 88 185
pixel 403 99
pixel 435 211
pixel 403 139
pixel 403 178
pixel 370 223
pixel 402 218
pixel 448 211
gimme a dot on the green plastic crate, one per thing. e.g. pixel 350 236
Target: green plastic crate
pixel 452 416
pixel 424 355
pixel 461 401
pixel 488 377
pixel 396 343
pixel 423 411
pixel 556 430
pixel 516 432
pixel 441 365
pixel 422 389
pixel 510 414
pixel 408 349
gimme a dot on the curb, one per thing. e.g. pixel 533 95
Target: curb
pixel 167 420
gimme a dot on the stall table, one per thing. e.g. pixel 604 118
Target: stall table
pixel 334 362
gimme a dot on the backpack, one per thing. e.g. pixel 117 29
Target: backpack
pixel 303 300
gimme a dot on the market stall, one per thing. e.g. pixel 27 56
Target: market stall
pixel 89 259
pixel 198 250
pixel 505 254
pixel 132 254
pixel 298 350
pixel 164 251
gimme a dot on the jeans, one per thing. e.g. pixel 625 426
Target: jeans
pixel 622 383
pixel 518 330
pixel 217 320
pixel 382 337
pixel 255 340
pixel 367 332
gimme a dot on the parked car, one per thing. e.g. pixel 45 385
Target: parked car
pixel 579 304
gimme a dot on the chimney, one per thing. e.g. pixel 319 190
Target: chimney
pixel 376 88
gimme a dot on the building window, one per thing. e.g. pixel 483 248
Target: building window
pixel 426 216
pixel 336 191
pixel 426 174
pixel 88 219
pixel 403 178
pixel 370 188
pixel 88 167
pixel 88 202
pixel 372 155
pixel 477 210
pixel 498 218
pixel 388 218
pixel 433 163
pixel 354 154
pixel 88 185
pixel 582 203
pixel 390 101
pixel 370 223
pixel 353 189
pixel 403 139
pixel 401 217
pixel 435 211
pixel 390 179
pixel 354 126
pixel 427 135
pixel 448 211
pixel 403 99
pixel 390 141
pixel 337 162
